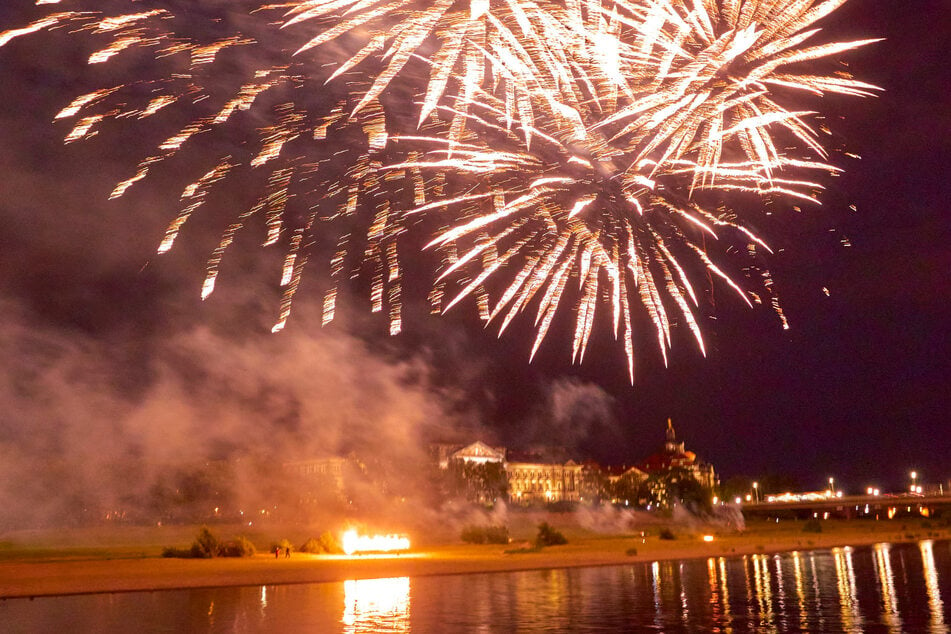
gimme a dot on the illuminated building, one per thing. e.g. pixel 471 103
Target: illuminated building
pixel 623 484
pixel 534 479
pixel 319 480
pixel 674 458
pixel 616 474
pixel 328 470
pixel 475 453
pixel 541 476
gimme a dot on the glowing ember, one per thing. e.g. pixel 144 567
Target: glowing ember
pixel 352 542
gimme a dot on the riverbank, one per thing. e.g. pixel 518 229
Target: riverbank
pixel 39 568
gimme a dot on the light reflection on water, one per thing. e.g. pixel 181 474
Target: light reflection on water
pixel 935 604
pixel 848 599
pixel 893 588
pixel 886 586
pixel 376 605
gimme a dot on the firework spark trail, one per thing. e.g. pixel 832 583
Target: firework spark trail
pixel 705 95
pixel 558 147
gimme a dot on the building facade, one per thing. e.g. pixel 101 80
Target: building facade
pixel 544 482
pixel 548 476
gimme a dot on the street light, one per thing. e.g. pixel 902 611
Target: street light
pixel 832 485
pixel 914 481
pixel 756 491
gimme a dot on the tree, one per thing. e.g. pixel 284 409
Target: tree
pixel 595 485
pixel 482 483
pixel 676 486
pixel 628 488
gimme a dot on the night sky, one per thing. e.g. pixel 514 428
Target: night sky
pixel 858 388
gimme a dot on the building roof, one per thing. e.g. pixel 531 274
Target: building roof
pixel 671 457
pixel 478 452
pixel 663 460
pixel 615 473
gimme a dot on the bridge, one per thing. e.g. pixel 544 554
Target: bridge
pixel 853 506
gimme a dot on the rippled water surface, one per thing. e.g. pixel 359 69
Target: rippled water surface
pixel 888 588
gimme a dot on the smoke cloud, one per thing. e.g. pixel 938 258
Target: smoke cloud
pixel 76 444
pixel 574 415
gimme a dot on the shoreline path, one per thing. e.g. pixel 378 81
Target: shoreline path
pixel 49 577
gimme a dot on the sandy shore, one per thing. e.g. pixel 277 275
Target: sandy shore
pixel 57 574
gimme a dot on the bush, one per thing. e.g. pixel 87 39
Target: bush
pixel 473 534
pixel 181 553
pixel 311 546
pixel 548 536
pixel 329 544
pixel 497 535
pixel 666 533
pixel 206 544
pixel 812 526
pixel 326 543
pixel 238 547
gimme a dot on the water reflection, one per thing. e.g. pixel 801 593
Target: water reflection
pixel 780 591
pixel 845 581
pixel 726 593
pixel 820 608
pixel 762 584
pixel 376 605
pixel 935 605
pixel 800 593
pixel 886 587
pixel 655 583
pixel 890 588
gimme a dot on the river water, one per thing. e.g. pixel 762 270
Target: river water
pixel 882 588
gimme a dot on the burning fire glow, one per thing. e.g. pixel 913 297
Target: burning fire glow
pixel 352 542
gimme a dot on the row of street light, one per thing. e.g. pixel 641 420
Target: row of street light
pixel 755 497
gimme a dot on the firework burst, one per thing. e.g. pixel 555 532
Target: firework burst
pixel 552 150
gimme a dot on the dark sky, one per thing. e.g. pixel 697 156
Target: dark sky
pixel 858 387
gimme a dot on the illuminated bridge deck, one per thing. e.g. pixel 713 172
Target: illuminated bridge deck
pixel 853 506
